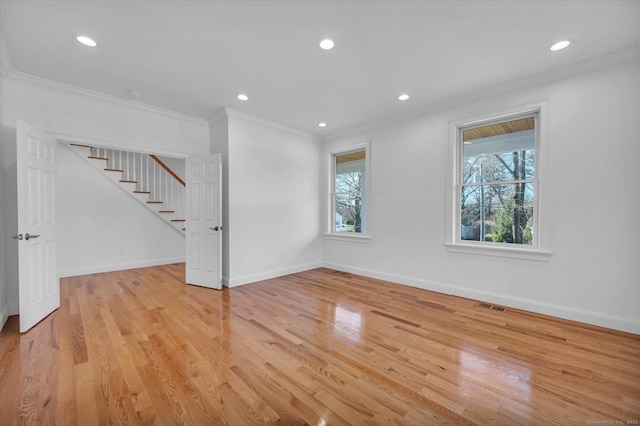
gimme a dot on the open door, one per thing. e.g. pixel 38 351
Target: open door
pixel 203 208
pixel 38 282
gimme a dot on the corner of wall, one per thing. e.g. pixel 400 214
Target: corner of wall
pixel 6 64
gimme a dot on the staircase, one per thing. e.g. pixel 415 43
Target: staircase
pixel 144 176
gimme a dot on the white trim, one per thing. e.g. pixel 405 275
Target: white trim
pixel 72 272
pixel 629 325
pixel 243 115
pixel 79 91
pixel 4 316
pixel 542 244
pixel 348 236
pixel 493 249
pixel 275 273
pixel 6 63
pixel 329 212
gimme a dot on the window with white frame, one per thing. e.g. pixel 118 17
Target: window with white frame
pixel 348 191
pixel 497 181
pixel 496 186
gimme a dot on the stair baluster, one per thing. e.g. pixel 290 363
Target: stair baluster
pixel 153 181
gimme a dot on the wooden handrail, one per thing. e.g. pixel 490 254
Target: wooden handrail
pixel 164 166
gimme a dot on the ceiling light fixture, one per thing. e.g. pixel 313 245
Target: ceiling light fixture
pixel 86 41
pixel 403 97
pixel 243 97
pixel 134 93
pixel 323 124
pixel 327 44
pixel 560 45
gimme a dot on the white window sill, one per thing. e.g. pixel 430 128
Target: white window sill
pixel 352 237
pixel 499 251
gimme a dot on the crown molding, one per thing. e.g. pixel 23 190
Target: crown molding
pixel 243 115
pixel 6 64
pixel 619 57
pixel 92 94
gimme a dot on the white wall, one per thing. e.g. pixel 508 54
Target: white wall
pixel 177 165
pixel 102 228
pixel 593 274
pixel 274 200
pixel 79 115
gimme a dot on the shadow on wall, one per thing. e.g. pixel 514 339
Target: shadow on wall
pixel 9 225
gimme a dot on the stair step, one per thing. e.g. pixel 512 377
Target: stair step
pixel 97 158
pixel 142 192
pixel 183 229
pixel 167 211
pixel 128 181
pixel 155 202
pixel 79 144
pixel 178 220
pixel 114 170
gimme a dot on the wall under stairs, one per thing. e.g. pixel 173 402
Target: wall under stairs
pixel 101 228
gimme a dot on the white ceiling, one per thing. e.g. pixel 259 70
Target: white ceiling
pixel 194 57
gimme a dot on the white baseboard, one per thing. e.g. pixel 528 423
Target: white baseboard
pixel 4 315
pixel 615 322
pixel 72 272
pixel 6 312
pixel 248 279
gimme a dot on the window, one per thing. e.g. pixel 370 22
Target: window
pixel 496 185
pixel 348 212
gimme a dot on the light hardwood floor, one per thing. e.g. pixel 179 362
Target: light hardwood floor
pixel 318 347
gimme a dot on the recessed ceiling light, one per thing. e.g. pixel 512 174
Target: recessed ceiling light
pixel 560 45
pixel 86 41
pixel 323 124
pixel 327 44
pixel 403 97
pixel 243 97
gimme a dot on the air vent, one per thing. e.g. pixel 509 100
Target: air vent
pixel 492 307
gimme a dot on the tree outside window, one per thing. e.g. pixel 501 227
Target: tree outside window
pixel 497 184
pixel 349 192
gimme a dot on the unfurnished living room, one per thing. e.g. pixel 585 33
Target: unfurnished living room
pixel 320 212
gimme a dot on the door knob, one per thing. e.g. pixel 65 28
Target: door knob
pixel 214 229
pixel 26 237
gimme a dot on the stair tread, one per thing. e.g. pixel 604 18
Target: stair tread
pixel 178 220
pixel 142 192
pixel 113 170
pixel 128 181
pixel 98 158
pixel 155 202
pixel 79 144
pixel 167 211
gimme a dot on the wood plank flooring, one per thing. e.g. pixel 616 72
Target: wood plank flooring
pixel 318 347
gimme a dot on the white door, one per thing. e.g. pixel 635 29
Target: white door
pixel 203 207
pixel 38 283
